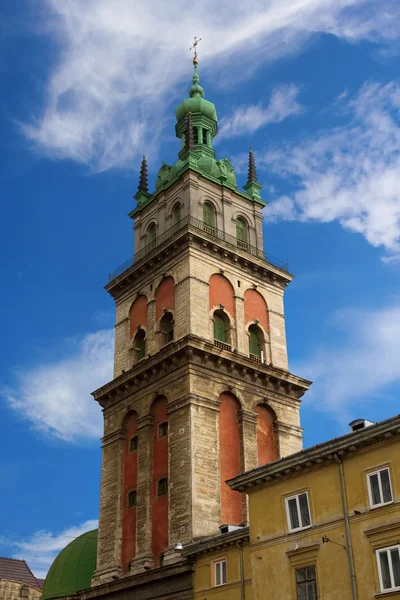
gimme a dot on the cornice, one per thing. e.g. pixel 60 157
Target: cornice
pixel 197 351
pixel 316 455
pixel 115 436
pixel 214 543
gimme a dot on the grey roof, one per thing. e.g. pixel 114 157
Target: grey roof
pixel 17 570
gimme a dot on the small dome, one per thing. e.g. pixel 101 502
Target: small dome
pixel 73 568
pixel 196 103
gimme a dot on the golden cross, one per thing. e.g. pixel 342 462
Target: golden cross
pixel 194 48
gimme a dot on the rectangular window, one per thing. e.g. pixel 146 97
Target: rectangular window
pixel 133 443
pixel 163 430
pixel 298 512
pixel 306 584
pixel 162 486
pixel 389 568
pixel 379 487
pixel 220 572
pixel 132 498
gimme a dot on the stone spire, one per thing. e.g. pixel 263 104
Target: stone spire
pixel 143 184
pixel 252 175
pixel 252 186
pixel 189 135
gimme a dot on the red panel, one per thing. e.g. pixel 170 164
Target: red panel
pixel 221 292
pixel 165 296
pixel 159 533
pixel 130 483
pixel 138 314
pixel 229 439
pixel 255 307
pixel 265 435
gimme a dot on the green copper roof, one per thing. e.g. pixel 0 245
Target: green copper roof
pixel 196 103
pixel 73 568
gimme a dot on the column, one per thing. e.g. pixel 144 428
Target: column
pixel 242 343
pixel 248 434
pixel 121 347
pixel 151 340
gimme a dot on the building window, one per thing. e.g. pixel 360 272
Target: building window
pixel 177 214
pixel 219 327
pixel 131 498
pixel 140 344
pixel 241 233
pixel 163 430
pixel 306 584
pixel 133 443
pixel 151 235
pixel 389 568
pixel 298 512
pixel 162 486
pixel 167 328
pixel 220 572
pixel 208 217
pixel 379 488
pixel 256 341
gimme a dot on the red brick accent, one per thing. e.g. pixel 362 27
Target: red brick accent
pixel 265 435
pixel 222 292
pixel 229 441
pixel 255 307
pixel 138 314
pixel 165 296
pixel 159 533
pixel 128 544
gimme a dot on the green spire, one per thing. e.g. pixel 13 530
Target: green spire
pixel 196 91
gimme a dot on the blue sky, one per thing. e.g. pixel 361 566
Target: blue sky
pixel 87 88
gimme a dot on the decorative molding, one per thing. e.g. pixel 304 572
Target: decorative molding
pixel 115 436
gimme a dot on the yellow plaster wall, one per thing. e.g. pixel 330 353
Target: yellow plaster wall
pixel 276 553
pixel 203 575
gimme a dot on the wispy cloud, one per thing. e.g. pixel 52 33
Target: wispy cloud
pixel 55 397
pixel 350 173
pixel 247 119
pixel 357 371
pixel 119 62
pixel 42 547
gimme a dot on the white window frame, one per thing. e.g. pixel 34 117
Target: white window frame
pixel 218 566
pixel 378 473
pixel 387 551
pixel 296 497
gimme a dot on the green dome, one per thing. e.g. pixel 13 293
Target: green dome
pixel 196 103
pixel 73 568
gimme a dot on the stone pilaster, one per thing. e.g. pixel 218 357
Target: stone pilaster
pixel 110 530
pixel 278 347
pixel 151 341
pixel 182 302
pixel 121 347
pixel 248 435
pixel 241 336
pixel 289 438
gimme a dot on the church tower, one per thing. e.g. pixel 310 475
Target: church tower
pixel 201 388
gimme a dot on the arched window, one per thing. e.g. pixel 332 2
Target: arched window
pixel 208 217
pixel 221 328
pixel 139 343
pixel 256 341
pixel 151 235
pixel 167 328
pixel 177 214
pixel 241 233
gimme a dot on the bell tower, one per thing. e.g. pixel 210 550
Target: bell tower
pixel 201 388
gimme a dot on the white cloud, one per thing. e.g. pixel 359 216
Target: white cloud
pixel 247 119
pixel 41 549
pixel 352 377
pixel 55 397
pixel 350 173
pixel 118 63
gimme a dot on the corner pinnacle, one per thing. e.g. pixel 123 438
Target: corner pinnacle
pixel 143 184
pixel 252 175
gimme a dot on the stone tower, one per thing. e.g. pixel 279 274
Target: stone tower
pixel 201 387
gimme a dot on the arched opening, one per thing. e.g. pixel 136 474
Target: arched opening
pixel 241 233
pixel 266 446
pixel 167 328
pixel 138 315
pixel 177 214
pixel 204 133
pixel 230 458
pixel 151 236
pixel 256 343
pixel 208 217
pixel 222 328
pixel 139 344
pixel 129 497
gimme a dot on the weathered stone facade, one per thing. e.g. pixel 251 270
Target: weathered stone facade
pixel 17 590
pixel 192 371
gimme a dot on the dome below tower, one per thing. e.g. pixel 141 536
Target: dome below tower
pixel 73 568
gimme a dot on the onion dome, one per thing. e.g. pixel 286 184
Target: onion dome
pixel 73 568
pixel 196 104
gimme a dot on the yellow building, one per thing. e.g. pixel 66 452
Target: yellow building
pixel 324 525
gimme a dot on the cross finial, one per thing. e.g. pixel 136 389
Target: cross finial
pixel 194 48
